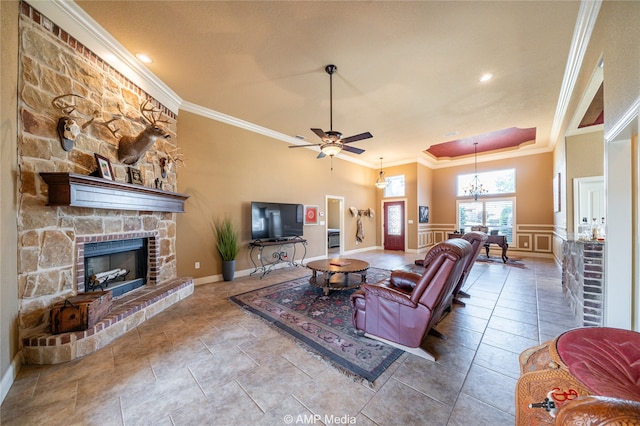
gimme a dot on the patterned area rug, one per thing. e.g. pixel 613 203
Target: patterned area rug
pixel 322 323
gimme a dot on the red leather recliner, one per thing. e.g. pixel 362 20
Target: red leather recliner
pixel 400 314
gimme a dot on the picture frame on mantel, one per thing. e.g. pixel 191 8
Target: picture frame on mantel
pixel 135 176
pixel 104 167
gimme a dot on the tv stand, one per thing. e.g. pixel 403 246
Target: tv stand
pixel 278 255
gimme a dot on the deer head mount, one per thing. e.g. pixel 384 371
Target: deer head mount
pixel 73 121
pixel 132 148
pixel 167 163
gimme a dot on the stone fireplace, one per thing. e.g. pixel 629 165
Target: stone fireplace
pixel 64 243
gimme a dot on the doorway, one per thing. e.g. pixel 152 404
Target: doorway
pixel 588 201
pixel 393 225
pixel 335 225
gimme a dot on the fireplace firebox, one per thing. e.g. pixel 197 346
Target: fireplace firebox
pixel 119 266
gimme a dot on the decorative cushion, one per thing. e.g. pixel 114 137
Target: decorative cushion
pixel 606 360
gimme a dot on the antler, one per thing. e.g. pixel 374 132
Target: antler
pixel 151 118
pixel 107 123
pixel 68 108
pixel 175 157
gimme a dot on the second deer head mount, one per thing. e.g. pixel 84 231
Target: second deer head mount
pixel 132 148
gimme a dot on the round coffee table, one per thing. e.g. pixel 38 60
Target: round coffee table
pixel 335 273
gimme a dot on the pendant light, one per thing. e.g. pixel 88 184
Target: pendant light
pixel 475 188
pixel 381 182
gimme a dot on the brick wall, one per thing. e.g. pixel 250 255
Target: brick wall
pixel 583 280
pixel 52 63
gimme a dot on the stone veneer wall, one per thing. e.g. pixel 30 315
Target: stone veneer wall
pixel 583 280
pixel 52 63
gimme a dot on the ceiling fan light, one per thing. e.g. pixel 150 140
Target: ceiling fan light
pixel 331 149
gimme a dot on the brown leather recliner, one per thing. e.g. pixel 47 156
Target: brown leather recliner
pixel 400 313
pixel 477 240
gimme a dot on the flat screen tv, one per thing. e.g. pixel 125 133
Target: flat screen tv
pixel 276 221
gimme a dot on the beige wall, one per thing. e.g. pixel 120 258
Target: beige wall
pixel 228 167
pixel 8 170
pixel 585 158
pixel 618 26
pixel 534 204
pixel 333 213
pixel 425 182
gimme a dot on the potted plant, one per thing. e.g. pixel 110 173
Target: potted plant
pixel 228 245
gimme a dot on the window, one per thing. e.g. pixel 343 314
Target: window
pixel 395 188
pixel 497 214
pixel 495 182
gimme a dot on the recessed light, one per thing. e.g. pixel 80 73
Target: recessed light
pixel 486 77
pixel 144 58
pixel 450 134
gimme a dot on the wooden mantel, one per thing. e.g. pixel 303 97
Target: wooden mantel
pixel 70 189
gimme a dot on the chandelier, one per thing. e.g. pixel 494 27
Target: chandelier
pixel 475 188
pixel 381 182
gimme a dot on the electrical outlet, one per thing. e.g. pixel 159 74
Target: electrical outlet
pixel 197 265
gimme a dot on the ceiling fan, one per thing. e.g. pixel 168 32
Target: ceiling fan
pixel 332 140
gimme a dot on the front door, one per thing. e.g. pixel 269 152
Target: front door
pixel 394 225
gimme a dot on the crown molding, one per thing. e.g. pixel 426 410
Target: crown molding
pixel 625 127
pixel 75 21
pixel 587 16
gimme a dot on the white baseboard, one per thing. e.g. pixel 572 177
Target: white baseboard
pixel 245 272
pixel 10 375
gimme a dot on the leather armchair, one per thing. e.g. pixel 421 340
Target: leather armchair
pixel 402 310
pixel 477 240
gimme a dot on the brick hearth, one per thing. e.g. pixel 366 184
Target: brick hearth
pixel 127 312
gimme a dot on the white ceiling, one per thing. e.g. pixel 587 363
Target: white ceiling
pixel 408 72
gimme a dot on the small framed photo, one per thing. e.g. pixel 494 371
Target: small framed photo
pixel 104 167
pixel 310 215
pixel 424 214
pixel 135 176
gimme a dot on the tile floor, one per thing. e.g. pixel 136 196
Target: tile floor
pixel 204 361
